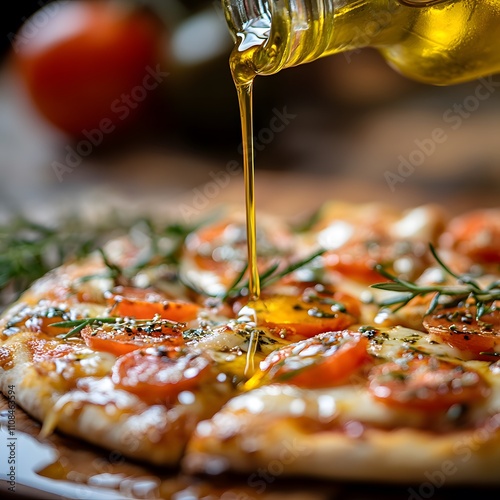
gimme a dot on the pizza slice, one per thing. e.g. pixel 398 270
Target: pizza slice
pixel 375 404
pixel 117 372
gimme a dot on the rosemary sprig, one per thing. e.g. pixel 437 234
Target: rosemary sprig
pixel 148 325
pixel 466 288
pixel 28 249
pixel 292 267
pixel 163 245
pixel 78 325
pixel 232 289
pixel 268 276
pixel 113 271
pixel 309 222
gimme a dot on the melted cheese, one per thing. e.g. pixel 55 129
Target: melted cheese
pixel 343 405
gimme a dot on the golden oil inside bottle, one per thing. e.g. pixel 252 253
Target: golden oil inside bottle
pixel 437 41
pixel 447 43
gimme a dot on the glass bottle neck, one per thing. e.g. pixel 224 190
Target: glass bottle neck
pixel 274 34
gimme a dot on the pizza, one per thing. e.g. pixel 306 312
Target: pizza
pixel 372 354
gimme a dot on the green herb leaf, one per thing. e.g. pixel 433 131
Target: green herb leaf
pixel 466 288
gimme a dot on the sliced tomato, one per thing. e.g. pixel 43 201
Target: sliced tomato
pixel 323 361
pixel 146 303
pixel 425 383
pixel 159 375
pixel 355 266
pixel 39 324
pixel 42 324
pixel 475 234
pixel 39 319
pixel 316 311
pixel 360 237
pixel 458 327
pixel 122 339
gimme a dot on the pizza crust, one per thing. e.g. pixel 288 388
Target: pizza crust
pixel 91 408
pixel 247 442
pixel 98 413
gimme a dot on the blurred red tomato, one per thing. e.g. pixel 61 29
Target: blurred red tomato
pixel 89 64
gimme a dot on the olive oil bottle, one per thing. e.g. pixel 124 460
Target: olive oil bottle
pixel 440 42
